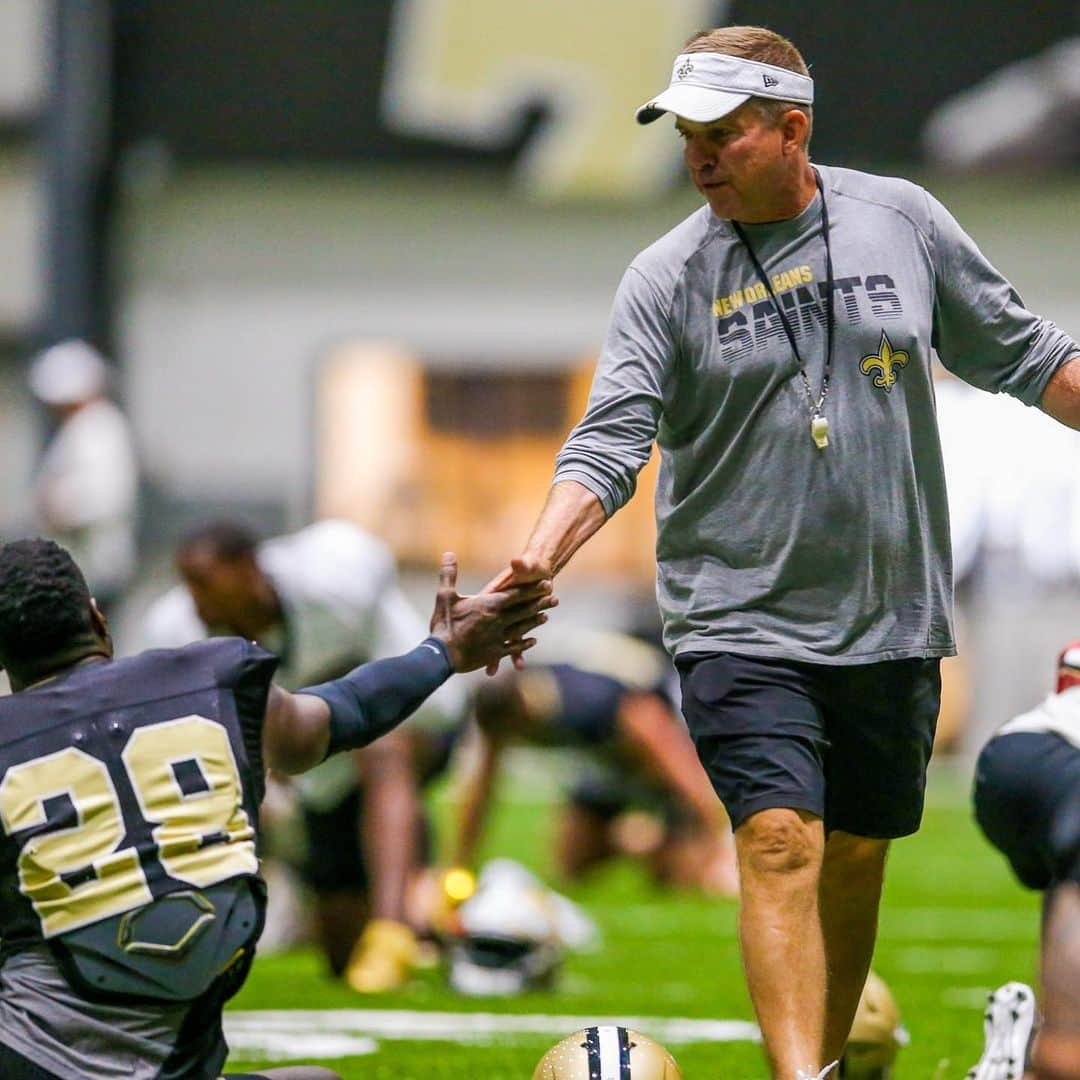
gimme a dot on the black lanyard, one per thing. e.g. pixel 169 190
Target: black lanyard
pixel 815 407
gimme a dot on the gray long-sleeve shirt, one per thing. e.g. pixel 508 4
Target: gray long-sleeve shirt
pixel 766 544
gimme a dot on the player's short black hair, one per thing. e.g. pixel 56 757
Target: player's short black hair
pixel 44 601
pixel 228 538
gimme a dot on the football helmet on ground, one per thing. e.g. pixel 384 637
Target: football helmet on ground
pixel 607 1053
pixel 507 940
pixel 876 1034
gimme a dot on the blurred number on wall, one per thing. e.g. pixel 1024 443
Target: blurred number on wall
pixel 468 70
pixel 461 459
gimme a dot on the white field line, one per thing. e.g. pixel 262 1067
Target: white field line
pixel 966 997
pixel 926 960
pixel 297 1045
pixel 960 924
pixel 913 924
pixel 295 1034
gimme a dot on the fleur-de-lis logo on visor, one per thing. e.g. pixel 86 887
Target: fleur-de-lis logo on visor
pixel 684 69
pixel 885 362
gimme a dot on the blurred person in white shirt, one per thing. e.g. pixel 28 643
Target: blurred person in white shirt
pixel 86 484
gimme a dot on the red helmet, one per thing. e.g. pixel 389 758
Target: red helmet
pixel 1069 667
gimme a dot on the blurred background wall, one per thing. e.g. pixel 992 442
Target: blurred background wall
pixel 355 257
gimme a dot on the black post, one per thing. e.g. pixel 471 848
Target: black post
pixel 75 142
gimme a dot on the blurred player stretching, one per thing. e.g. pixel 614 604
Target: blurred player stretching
pixel 614 704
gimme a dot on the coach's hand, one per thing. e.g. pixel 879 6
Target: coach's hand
pixel 480 630
pixel 525 572
pixel 525 569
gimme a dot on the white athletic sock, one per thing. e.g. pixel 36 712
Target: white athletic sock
pixel 808 1075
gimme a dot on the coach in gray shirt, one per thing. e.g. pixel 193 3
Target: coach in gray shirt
pixel 777 345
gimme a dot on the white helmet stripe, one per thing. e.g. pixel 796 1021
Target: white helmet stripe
pixel 610 1040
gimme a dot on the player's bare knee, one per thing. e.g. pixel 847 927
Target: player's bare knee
pixel 779 842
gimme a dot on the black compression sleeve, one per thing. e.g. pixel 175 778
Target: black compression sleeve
pixel 374 698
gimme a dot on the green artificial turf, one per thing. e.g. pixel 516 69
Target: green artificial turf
pixel 954 924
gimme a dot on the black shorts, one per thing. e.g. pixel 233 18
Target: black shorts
pixel 1027 802
pixel 14 1066
pixel 849 743
pixel 334 856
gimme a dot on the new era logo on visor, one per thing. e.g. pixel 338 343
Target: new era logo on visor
pixel 770 81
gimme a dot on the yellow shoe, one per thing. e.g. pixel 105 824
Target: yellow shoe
pixel 382 959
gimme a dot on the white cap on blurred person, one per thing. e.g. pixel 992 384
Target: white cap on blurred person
pixel 68 373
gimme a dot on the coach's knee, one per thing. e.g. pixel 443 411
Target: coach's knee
pixel 779 842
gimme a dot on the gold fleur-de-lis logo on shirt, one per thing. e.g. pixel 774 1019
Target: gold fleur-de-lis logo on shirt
pixel 885 361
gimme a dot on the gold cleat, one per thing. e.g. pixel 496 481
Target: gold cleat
pixel 383 957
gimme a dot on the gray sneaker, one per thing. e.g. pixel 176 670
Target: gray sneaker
pixel 1007 1025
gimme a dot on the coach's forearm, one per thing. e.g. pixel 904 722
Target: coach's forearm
pixel 1061 398
pixel 570 516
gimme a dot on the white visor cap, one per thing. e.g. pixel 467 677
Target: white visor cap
pixel 707 86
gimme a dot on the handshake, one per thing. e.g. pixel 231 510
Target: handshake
pixel 480 630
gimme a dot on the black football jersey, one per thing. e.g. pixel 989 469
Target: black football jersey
pixel 127 780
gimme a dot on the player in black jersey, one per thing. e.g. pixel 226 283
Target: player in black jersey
pixel 130 896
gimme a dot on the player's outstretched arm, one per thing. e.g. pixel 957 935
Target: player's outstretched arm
pixel 1061 398
pixel 467 632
